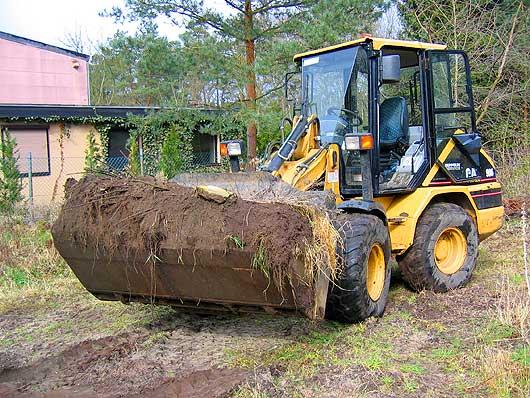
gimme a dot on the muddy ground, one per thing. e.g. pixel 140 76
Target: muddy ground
pixel 56 340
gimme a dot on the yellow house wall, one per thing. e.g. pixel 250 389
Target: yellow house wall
pixel 65 162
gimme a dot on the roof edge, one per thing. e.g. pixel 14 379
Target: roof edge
pixel 22 111
pixel 43 46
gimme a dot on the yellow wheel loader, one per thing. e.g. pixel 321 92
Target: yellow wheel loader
pixel 387 127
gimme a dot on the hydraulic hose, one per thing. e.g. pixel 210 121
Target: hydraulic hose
pixel 289 145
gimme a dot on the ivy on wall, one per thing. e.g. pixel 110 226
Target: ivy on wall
pixel 151 131
pixel 93 157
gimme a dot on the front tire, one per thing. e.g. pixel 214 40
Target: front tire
pixel 444 252
pixel 361 289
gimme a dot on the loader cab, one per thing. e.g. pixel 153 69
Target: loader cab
pixel 413 100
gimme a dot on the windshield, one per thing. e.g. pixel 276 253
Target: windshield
pixel 335 88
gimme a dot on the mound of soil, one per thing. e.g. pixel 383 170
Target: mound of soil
pixel 515 206
pixel 141 220
pixel 137 216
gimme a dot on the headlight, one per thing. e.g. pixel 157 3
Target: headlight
pixel 361 142
pixel 234 149
pixel 231 148
pixel 351 142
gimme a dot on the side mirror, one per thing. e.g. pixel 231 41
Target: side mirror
pixel 391 71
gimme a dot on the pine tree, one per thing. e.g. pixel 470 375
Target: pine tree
pixel 10 183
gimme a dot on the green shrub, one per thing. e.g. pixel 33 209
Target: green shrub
pixel 10 183
pixel 171 161
pixel 135 168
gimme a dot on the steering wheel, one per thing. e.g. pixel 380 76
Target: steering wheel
pixel 336 111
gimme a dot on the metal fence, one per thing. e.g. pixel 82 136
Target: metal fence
pixel 43 179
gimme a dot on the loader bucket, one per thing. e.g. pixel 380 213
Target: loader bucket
pixel 193 244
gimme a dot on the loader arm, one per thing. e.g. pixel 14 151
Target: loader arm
pixel 301 161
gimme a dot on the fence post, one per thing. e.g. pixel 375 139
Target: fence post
pixel 141 153
pixel 30 185
pixel 30 178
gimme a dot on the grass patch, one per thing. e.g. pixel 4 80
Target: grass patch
pixel 27 257
pixel 259 260
pixel 444 353
pixel 495 331
pixel 412 368
pixel 237 241
pixel 410 385
pixel 522 355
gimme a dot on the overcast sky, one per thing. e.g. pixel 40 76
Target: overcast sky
pixel 50 20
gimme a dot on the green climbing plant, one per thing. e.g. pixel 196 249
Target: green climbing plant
pixel 93 154
pixel 154 128
pixel 151 130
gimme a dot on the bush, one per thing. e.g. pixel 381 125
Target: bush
pixel 135 168
pixel 10 183
pixel 171 161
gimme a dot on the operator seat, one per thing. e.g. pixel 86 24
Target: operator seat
pixel 393 128
pixel 393 121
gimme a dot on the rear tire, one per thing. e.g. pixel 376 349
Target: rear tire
pixel 361 289
pixel 444 253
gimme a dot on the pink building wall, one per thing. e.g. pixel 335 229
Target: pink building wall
pixel 31 75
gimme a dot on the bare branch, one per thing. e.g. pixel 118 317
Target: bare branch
pixel 234 5
pixel 485 105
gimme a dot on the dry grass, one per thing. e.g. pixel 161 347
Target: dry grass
pixel 320 254
pixel 30 268
pixel 506 373
pixel 27 253
pixel 513 308
pixel 505 362
pixel 513 170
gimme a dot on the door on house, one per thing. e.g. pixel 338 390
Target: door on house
pixel 118 153
pixel 204 149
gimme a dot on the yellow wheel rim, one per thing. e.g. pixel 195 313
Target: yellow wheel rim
pixel 375 275
pixel 450 250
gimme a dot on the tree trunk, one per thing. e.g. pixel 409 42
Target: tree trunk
pixel 251 86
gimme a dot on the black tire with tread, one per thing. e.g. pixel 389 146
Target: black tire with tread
pixel 418 266
pixel 348 299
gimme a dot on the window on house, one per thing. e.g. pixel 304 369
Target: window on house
pixel 204 149
pixel 32 140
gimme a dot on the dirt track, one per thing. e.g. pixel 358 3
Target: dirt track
pixel 183 355
pixel 61 342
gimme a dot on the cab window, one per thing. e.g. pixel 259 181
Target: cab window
pixel 451 96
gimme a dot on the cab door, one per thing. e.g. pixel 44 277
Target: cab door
pixel 455 142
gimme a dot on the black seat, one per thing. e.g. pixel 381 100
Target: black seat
pixel 393 128
pixel 393 122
